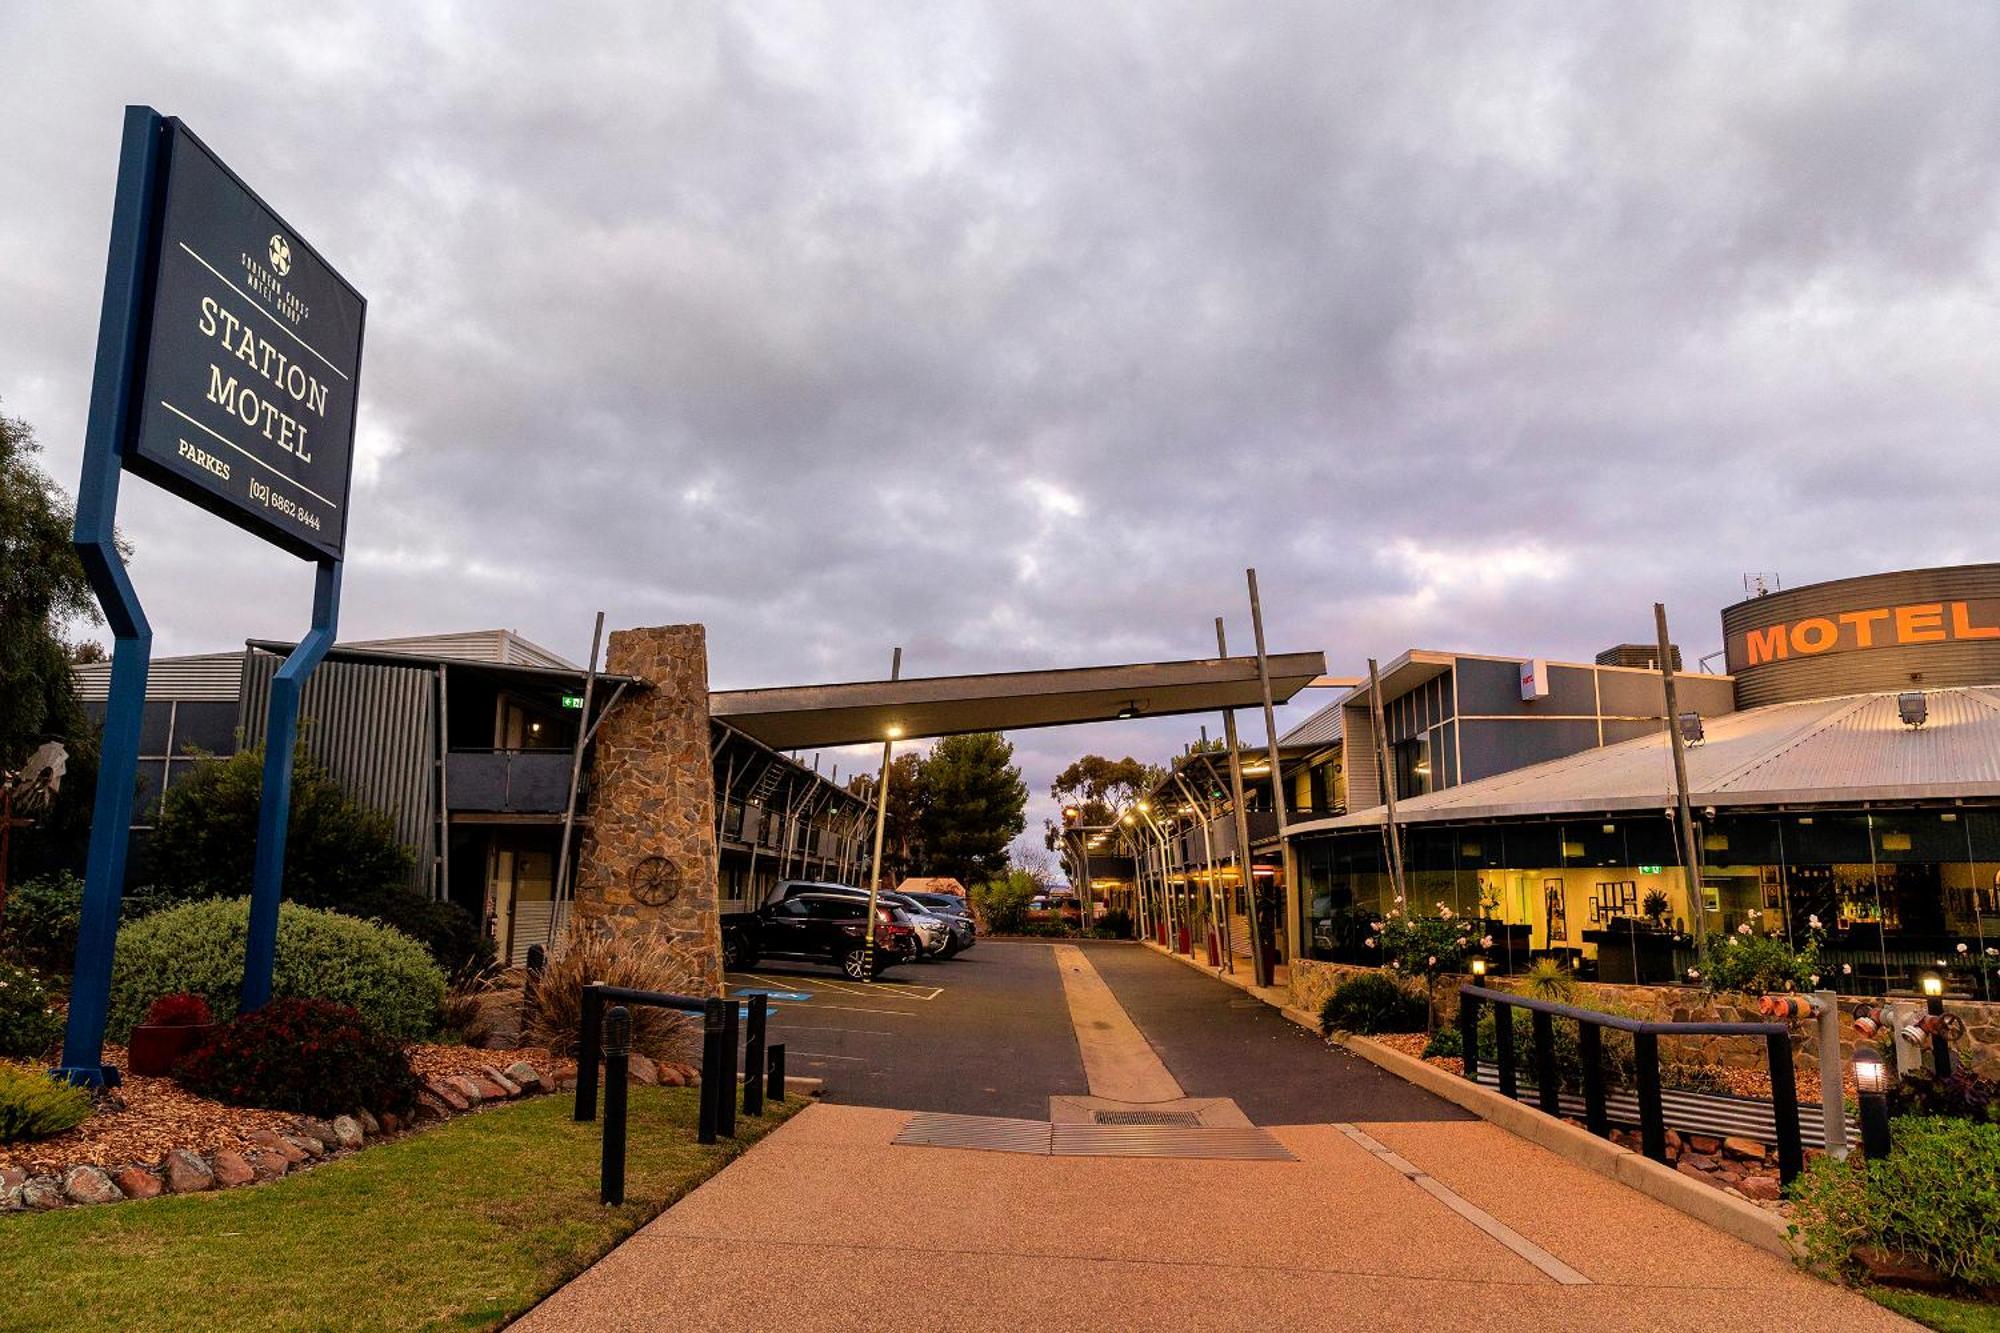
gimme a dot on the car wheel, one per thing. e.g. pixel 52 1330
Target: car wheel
pixel 855 964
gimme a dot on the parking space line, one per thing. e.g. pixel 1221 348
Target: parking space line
pixel 858 1009
pixel 858 1032
pixel 820 1055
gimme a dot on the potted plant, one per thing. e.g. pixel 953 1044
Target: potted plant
pixel 175 1025
pixel 1655 908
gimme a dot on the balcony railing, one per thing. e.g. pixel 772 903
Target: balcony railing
pixel 512 782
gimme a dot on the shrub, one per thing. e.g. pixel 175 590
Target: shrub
pixel 34 1106
pixel 1445 1042
pixel 1692 1076
pixel 447 931
pixel 1759 964
pixel 1002 903
pixel 1425 947
pixel 182 1009
pixel 1620 1064
pixel 1116 925
pixel 1933 1197
pixel 1373 1002
pixel 311 1056
pixel 28 1021
pixel 42 919
pixel 321 955
pixel 1964 1095
pixel 1549 980
pixel 639 959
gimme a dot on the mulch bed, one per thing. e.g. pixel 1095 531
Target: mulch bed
pixel 143 1119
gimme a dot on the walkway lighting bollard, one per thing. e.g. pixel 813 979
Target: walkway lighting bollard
pixel 712 1087
pixel 617 1050
pixel 1785 1107
pixel 587 1048
pixel 775 1083
pixel 1933 986
pixel 753 1055
pixel 1871 1081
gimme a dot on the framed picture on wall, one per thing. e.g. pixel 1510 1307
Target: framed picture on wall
pixel 1558 911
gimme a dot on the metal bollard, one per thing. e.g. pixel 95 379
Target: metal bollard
pixel 1547 1091
pixel 1590 1048
pixel 753 1055
pixel 617 1050
pixel 774 1059
pixel 1468 1033
pixel 1785 1108
pixel 711 1070
pixel 587 1048
pixel 1652 1114
pixel 725 1093
pixel 1503 1049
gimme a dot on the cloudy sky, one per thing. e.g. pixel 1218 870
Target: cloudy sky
pixel 1012 334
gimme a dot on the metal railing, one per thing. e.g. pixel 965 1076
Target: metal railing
pixel 1646 1036
pixel 763 1062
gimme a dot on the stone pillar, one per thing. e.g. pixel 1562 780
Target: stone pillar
pixel 648 860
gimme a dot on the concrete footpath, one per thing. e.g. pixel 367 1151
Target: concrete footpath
pixel 1389 1224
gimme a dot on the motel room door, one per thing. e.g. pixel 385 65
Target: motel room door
pixel 521 886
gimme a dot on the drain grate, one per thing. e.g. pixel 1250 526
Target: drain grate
pixel 990 1133
pixel 1185 1119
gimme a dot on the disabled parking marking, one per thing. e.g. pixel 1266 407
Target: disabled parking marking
pixel 792 996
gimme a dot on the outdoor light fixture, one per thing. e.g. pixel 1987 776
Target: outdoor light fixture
pixel 1932 984
pixel 1145 807
pixel 1871 1080
pixel 1128 711
pixel 1940 1035
pixel 1479 967
pixel 894 732
pixel 1914 707
pixel 1691 730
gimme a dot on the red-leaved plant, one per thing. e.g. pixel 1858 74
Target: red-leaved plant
pixel 302 1055
pixel 182 1009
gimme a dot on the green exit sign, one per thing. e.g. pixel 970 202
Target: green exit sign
pixel 572 701
pixel 1649 870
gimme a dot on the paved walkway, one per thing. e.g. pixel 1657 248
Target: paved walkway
pixel 1426 1222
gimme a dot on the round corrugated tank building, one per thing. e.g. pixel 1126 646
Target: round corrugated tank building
pixel 1914 629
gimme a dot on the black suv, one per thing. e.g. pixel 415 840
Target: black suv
pixel 817 927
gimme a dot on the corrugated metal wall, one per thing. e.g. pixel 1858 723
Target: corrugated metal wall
pixel 375 730
pixel 1864 670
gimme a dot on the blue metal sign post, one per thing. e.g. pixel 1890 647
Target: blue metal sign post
pixel 228 355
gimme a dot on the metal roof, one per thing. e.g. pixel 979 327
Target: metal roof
pixel 498 647
pixel 1318 731
pixel 1822 751
pixel 205 677
pixel 803 716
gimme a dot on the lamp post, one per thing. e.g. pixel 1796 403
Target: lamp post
pixel 1933 988
pixel 1479 970
pixel 881 824
pixel 1871 1081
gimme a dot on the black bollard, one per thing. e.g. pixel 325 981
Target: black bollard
pixel 588 1043
pixel 725 1093
pixel 774 1058
pixel 617 1052
pixel 753 1055
pixel 712 1089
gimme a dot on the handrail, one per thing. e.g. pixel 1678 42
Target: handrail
pixel 1623 1024
pixel 1646 1036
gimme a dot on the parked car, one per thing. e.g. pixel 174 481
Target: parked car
pixel 932 936
pixel 819 927
pixel 956 912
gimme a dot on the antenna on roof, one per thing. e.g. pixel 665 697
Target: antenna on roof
pixel 1761 585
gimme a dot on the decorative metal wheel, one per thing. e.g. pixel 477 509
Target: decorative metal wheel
pixel 655 880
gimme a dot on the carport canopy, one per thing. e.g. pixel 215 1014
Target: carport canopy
pixel 797 717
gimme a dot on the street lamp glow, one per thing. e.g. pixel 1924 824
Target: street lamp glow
pixel 1933 984
pixel 1145 807
pixel 895 732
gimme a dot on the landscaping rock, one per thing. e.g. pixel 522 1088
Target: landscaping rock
pixel 268 1164
pixel 10 1199
pixel 90 1184
pixel 187 1173
pixel 136 1182
pixel 271 1141
pixel 41 1193
pixel 446 1091
pixel 391 1122
pixel 347 1131
pixel 1748 1149
pixel 316 1129
pixel 642 1070
pixel 231 1169
pixel 1702 1143
pixel 1893 1268
pixel 430 1107
pixel 526 1077
pixel 1687 1168
pixel 1674 1141
pixel 12 1177
pixel 1762 1188
pixel 468 1088
pixel 671 1077
pixel 369 1124
pixel 489 1091
pixel 310 1147
pixel 508 1087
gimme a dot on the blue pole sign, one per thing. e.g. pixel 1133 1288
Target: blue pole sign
pixel 228 359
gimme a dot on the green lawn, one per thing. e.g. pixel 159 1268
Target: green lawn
pixel 1939 1312
pixel 463 1226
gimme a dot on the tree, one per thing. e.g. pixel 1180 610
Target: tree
pixel 1100 788
pixel 43 591
pixel 974 805
pixel 902 833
